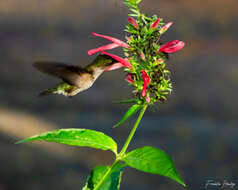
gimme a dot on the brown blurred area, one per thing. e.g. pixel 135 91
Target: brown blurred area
pixel 197 126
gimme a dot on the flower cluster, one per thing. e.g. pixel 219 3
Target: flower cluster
pixel 145 55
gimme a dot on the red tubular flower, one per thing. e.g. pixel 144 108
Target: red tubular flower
pixel 114 67
pixel 172 47
pixel 124 62
pixel 146 80
pixel 155 24
pixel 129 78
pixel 102 48
pixel 114 40
pixel 165 27
pixel 133 22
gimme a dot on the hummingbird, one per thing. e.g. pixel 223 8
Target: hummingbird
pixel 75 79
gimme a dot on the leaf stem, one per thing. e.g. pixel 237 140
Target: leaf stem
pixel 128 140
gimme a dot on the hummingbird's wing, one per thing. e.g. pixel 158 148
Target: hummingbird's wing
pixel 68 73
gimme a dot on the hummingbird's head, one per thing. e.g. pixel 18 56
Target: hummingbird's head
pixel 105 60
pixel 100 63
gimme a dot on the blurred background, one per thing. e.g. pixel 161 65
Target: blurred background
pixel 197 127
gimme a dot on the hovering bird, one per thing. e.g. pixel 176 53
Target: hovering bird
pixel 75 79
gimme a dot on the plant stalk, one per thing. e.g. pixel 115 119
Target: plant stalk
pixel 124 147
pixel 128 140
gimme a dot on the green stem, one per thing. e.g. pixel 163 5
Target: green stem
pixel 128 140
pixel 123 149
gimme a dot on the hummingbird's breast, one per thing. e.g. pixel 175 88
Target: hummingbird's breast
pixel 97 72
pixel 85 81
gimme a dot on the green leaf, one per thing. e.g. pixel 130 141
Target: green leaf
pixel 76 137
pixel 132 110
pixel 134 10
pixel 112 182
pixel 130 3
pixel 152 160
pixel 133 2
pixel 133 15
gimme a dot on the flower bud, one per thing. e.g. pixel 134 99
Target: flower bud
pixel 133 22
pixel 128 38
pixel 155 24
pixel 142 56
pixel 159 61
pixel 129 78
pixel 165 27
pixel 172 47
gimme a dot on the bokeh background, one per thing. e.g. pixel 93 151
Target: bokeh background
pixel 197 126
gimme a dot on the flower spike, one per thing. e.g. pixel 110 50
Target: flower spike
pixel 146 80
pixel 172 46
pixel 102 48
pixel 124 62
pixel 114 40
pixel 133 22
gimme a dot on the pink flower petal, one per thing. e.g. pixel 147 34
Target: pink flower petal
pixel 155 24
pixel 165 27
pixel 102 48
pixel 172 47
pixel 114 40
pixel 124 62
pixel 133 22
pixel 114 67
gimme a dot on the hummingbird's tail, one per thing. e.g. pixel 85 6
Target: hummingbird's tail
pixel 62 88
